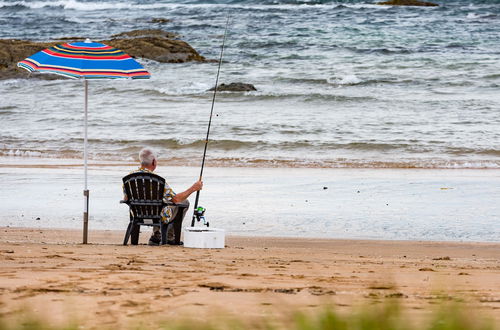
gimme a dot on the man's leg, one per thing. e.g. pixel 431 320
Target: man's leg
pixel 155 238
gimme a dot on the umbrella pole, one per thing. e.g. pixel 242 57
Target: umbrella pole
pixel 85 191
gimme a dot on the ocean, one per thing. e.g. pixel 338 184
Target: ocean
pixel 340 84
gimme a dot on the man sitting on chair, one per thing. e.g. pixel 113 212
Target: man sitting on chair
pixel 173 215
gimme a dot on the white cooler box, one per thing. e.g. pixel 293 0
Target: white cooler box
pixel 204 238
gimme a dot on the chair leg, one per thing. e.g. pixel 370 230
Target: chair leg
pixel 177 224
pixel 127 233
pixel 163 229
pixel 134 234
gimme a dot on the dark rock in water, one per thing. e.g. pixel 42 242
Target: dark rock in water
pixel 160 20
pixel 408 3
pixel 155 45
pixel 235 87
pixel 157 49
pixel 13 51
pixel 145 33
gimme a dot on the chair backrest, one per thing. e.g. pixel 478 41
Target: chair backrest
pixel 145 194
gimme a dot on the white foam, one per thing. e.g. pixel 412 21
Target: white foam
pixel 347 79
pixel 83 6
pixel 350 79
pixel 89 6
pixel 472 16
pixel 23 153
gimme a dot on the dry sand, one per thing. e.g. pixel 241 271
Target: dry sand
pixel 106 284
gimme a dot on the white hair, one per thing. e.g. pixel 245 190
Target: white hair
pixel 146 156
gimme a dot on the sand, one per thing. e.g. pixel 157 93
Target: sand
pixel 106 284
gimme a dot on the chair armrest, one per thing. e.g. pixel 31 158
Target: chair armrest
pixel 123 202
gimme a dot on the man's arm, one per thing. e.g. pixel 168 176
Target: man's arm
pixel 124 193
pixel 180 197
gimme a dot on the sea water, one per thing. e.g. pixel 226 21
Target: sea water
pixel 340 84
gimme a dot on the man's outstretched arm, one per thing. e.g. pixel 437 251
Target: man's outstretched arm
pixel 180 197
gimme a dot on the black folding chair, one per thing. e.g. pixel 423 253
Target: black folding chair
pixel 145 199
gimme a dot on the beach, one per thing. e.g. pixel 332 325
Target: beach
pixel 105 284
pixel 298 240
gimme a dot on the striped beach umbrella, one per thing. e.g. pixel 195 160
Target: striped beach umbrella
pixel 85 60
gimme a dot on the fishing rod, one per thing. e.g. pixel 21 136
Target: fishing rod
pixel 199 212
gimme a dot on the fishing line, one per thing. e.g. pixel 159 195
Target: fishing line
pixel 197 214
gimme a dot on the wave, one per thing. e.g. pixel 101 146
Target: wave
pixel 243 4
pixel 468 151
pixel 313 146
pixel 261 162
pixel 306 97
pixel 8 109
pixel 353 163
pixel 348 80
pixel 82 6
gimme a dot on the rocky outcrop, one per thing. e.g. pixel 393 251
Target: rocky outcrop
pixel 235 87
pixel 13 51
pixel 160 20
pixel 145 33
pixel 155 45
pixel 408 3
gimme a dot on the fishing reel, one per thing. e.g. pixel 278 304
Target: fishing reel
pixel 199 214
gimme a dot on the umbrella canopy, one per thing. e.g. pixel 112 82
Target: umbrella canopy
pixel 85 60
pixel 88 60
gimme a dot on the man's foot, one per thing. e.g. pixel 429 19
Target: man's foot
pixel 172 242
pixel 155 239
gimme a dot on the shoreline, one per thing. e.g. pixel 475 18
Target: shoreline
pixel 313 240
pixel 249 279
pixel 254 241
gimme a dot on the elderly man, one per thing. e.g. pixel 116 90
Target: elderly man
pixel 173 215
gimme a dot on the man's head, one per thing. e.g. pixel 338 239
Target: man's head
pixel 147 157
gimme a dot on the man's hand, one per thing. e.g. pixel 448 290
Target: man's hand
pixel 180 197
pixel 198 185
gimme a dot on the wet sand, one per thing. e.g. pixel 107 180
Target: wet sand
pixel 104 283
pixel 401 204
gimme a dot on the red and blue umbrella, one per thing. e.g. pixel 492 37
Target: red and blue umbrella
pixel 85 60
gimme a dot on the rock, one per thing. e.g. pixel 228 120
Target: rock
pixel 145 33
pixel 157 49
pixel 13 51
pixel 235 87
pixel 155 45
pixel 160 20
pixel 408 3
